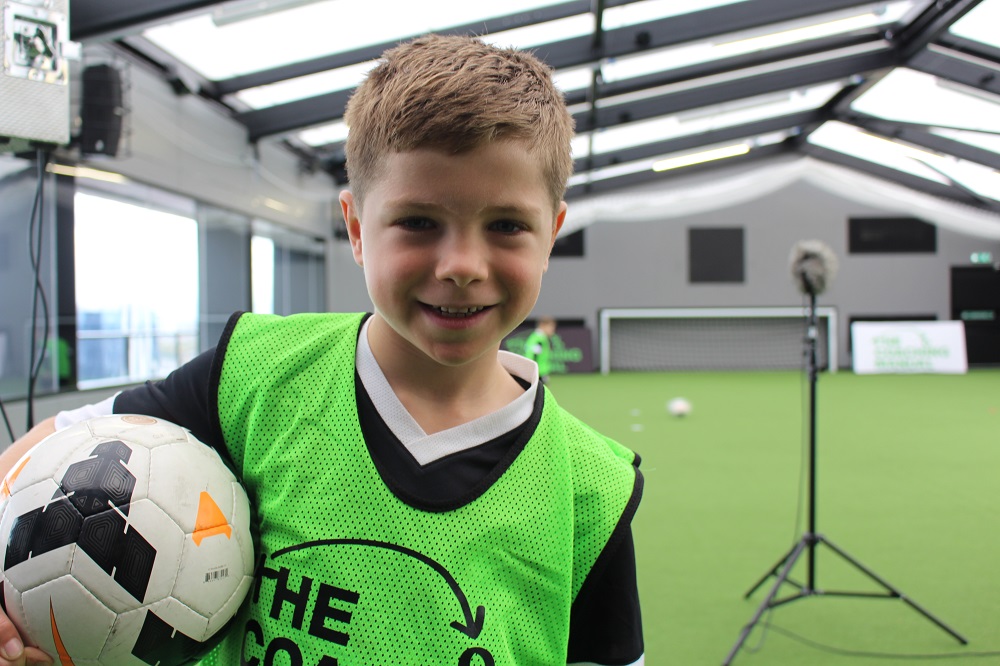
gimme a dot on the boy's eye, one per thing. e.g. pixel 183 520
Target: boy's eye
pixel 507 226
pixel 415 223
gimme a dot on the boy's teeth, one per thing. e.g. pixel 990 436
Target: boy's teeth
pixel 460 311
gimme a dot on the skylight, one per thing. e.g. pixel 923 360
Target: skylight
pixel 727 46
pixel 677 160
pixel 980 24
pixel 944 169
pixel 263 41
pixel 707 119
pixel 914 97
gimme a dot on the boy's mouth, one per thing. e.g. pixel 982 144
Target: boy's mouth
pixel 456 312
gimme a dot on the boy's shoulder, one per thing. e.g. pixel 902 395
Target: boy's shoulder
pixel 586 445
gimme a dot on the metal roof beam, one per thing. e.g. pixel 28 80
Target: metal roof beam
pixel 920 135
pixel 284 118
pixel 648 175
pixel 356 56
pixel 958 67
pixel 917 183
pixel 578 51
pixel 110 19
pixel 685 28
pixel 697 141
pixel 929 26
pixel 683 97
pixel 851 61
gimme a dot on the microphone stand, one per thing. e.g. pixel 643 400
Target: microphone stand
pixel 809 541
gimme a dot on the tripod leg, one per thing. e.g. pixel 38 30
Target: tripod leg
pixel 789 562
pixel 896 593
pixel 773 571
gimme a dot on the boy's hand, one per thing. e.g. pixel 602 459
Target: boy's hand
pixel 12 649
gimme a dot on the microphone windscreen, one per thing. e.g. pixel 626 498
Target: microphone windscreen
pixel 813 265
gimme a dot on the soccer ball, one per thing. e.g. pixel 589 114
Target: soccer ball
pixel 679 407
pixel 125 541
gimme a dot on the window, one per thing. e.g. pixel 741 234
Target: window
pixel 288 271
pixel 136 290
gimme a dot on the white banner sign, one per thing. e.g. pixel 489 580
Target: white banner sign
pixel 909 347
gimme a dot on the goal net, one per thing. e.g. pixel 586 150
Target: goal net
pixel 714 338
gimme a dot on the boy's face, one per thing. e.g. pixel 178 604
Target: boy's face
pixel 453 247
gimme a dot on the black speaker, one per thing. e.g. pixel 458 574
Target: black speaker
pixel 101 110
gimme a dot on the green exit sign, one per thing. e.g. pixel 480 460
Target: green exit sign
pixel 982 257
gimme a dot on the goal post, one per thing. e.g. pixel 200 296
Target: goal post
pixel 753 338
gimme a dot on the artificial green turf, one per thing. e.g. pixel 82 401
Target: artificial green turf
pixel 907 484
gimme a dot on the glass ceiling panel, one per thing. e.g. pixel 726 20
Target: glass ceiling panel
pixel 652 10
pixel 322 135
pixel 349 77
pixel 659 129
pixel 315 29
pixel 711 153
pixel 706 119
pixel 914 97
pixel 944 169
pixel 736 44
pixel 220 51
pixel 977 139
pixel 980 24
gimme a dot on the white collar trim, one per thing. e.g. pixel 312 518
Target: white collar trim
pixel 428 448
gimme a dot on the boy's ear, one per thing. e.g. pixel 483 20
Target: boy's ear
pixel 557 223
pixel 352 220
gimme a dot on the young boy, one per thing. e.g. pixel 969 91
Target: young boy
pixel 421 499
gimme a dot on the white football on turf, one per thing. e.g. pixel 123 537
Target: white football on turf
pixel 679 407
pixel 125 541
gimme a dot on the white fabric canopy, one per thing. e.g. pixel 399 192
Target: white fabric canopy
pixel 685 197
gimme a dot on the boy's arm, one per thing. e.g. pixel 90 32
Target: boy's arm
pixel 14 452
pixel 605 621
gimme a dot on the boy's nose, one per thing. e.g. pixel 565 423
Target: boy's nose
pixel 462 261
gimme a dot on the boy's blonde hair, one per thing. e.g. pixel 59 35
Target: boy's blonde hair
pixel 456 93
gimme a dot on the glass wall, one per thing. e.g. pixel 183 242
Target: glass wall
pixel 289 270
pixel 131 281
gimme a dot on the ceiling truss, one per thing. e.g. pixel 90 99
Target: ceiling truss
pixel 857 60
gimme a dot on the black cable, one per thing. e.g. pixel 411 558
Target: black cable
pixel 6 421
pixel 36 227
pixel 845 652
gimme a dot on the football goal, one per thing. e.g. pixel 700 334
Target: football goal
pixel 633 339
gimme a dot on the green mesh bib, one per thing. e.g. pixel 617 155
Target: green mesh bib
pixel 351 574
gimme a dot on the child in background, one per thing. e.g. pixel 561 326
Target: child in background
pixel 422 498
pixel 538 347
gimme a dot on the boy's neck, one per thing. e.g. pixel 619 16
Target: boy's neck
pixel 437 396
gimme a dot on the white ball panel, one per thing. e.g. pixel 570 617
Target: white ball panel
pixel 211 571
pixel 49 456
pixel 231 606
pixel 12 601
pixel 148 431
pixel 242 530
pixel 184 471
pixel 82 622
